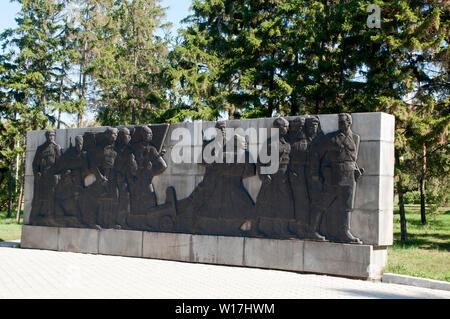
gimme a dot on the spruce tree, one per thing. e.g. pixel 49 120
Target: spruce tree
pixel 34 68
pixel 129 59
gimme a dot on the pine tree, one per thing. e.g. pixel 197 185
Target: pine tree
pixel 87 18
pixel 128 62
pixel 229 59
pixel 406 71
pixel 33 68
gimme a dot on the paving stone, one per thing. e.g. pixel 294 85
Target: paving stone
pixel 46 274
pixel 414 281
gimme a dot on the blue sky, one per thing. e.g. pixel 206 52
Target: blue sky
pixel 178 10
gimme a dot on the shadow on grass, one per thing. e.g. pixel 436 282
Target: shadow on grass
pixel 432 226
pixel 424 241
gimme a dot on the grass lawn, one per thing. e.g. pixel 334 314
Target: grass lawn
pixel 426 253
pixel 9 229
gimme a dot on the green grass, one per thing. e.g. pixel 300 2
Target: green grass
pixel 9 228
pixel 426 252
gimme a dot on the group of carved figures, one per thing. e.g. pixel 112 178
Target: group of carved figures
pixel 311 196
pixel 105 181
pixel 99 182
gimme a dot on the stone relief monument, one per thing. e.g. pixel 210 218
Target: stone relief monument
pixel 105 181
pixel 309 193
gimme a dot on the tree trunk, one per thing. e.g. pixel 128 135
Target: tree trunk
pixel 17 168
pixel 295 108
pixel 271 87
pixel 135 56
pixel 422 185
pixel 10 190
pixel 61 83
pixel 44 103
pixel 58 126
pixel 294 104
pixel 317 107
pixel 83 79
pixel 401 204
pixel 133 105
pixel 80 120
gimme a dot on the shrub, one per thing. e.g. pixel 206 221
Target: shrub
pixel 412 197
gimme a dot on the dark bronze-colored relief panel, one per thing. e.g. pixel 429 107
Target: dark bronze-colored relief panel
pixel 105 180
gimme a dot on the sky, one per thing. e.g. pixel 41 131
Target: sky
pixel 177 10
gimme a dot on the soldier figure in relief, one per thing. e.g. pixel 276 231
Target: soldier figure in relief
pixel 150 163
pixel 339 172
pixel 73 166
pixel 297 177
pixel 45 181
pixel 314 180
pixel 125 168
pixel 101 200
pixel 231 214
pixel 275 203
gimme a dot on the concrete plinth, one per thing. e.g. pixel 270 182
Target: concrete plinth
pixel 347 260
pixel 39 237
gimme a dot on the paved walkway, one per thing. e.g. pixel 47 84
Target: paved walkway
pixel 27 273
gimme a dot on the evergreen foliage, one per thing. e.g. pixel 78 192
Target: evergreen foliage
pixel 235 59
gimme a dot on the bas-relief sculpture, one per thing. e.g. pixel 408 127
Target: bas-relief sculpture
pixel 45 181
pixel 220 204
pixel 105 181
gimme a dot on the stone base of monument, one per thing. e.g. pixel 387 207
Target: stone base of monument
pixel 347 260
